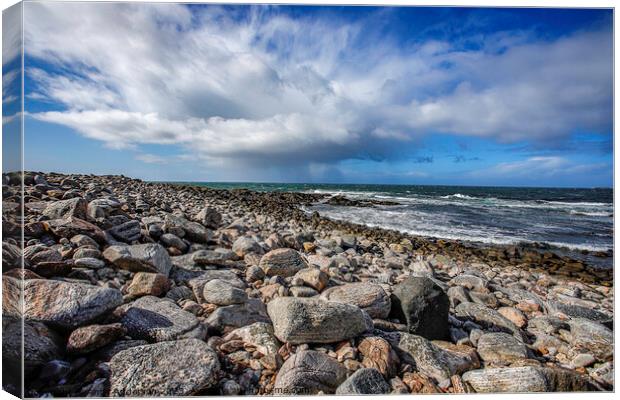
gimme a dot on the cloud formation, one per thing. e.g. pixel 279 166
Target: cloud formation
pixel 260 87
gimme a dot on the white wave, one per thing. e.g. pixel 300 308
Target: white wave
pixel 459 196
pixel 579 247
pixel 591 214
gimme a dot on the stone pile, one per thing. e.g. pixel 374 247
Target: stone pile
pixel 141 289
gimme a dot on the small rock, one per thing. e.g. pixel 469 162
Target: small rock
pixel 209 217
pixel 282 262
pixel 313 277
pixel 245 245
pixel 148 284
pixel 583 360
pixel 513 315
pixel 126 232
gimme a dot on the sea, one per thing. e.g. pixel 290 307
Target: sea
pixel 573 222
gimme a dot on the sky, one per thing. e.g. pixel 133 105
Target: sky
pixel 403 95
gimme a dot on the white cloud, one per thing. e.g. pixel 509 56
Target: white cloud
pixel 151 159
pixel 541 166
pixel 270 89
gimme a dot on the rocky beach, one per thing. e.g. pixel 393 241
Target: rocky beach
pixel 134 288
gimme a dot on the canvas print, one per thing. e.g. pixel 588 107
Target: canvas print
pixel 228 199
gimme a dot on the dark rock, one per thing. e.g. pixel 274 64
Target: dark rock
pixel 423 306
pixel 156 320
pixel 126 232
pixel 364 381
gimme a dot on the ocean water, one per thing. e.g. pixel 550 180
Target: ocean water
pixel 566 220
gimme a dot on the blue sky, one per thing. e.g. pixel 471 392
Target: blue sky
pixel 321 94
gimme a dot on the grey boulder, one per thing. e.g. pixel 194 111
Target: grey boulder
pixel 282 262
pixel 177 368
pixel 65 304
pixel 148 257
pixel 370 297
pixel 156 320
pixel 309 372
pixel 299 320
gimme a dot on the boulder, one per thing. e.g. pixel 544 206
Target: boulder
pixel 75 207
pixel 423 306
pixel 101 208
pixel 470 282
pixel 364 381
pixel 299 320
pixel 378 354
pixel 511 380
pixel 577 311
pixel 171 240
pixel 434 361
pixel 260 335
pixel 309 372
pixel 148 284
pixel 126 232
pixel 487 317
pixel 527 379
pixel 90 338
pixel 190 230
pixel 39 344
pixel 245 245
pixel 313 277
pixel 514 315
pixel 222 293
pixel 177 368
pixel 156 320
pixel 368 296
pixel 209 217
pixel 587 336
pixel 72 226
pixel 237 315
pixel 66 304
pixel 501 348
pixel 282 262
pixel 148 257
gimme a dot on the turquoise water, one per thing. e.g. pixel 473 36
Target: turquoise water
pixel 572 220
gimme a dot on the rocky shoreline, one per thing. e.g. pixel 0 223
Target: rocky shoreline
pixel 148 289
